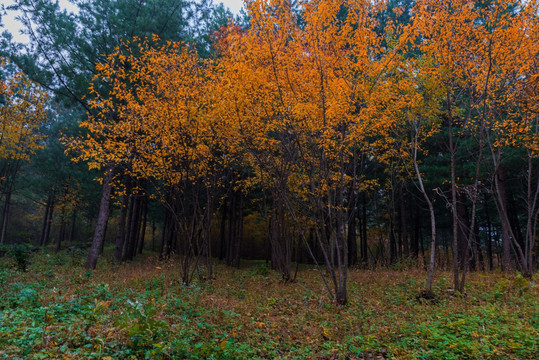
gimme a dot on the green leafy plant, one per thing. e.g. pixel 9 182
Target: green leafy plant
pixel 261 270
pixel 22 295
pixel 141 323
pixel 21 254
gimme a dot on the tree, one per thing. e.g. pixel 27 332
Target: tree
pixel 22 109
pixel 64 47
pixel 153 125
pixel 307 99
pixel 484 54
pixel 510 117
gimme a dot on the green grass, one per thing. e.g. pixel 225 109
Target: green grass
pixel 140 310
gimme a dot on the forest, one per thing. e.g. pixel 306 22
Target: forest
pixel 316 179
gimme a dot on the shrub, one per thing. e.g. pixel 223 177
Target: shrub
pixel 21 254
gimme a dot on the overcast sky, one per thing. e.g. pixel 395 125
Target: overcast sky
pixel 13 26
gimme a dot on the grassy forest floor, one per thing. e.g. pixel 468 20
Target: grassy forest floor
pixel 138 310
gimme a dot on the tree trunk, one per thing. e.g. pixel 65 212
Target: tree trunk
pixel 45 220
pixel 134 227
pixel 502 206
pixel 231 231
pixel 61 234
pixel 463 228
pixel 352 236
pixel 73 226
pixel 172 231
pixel 222 232
pixel 120 235
pixel 417 226
pixel 489 235
pixel 102 219
pixel 5 216
pixel 166 220
pixel 403 224
pixel 104 234
pixel 532 214
pixel 153 233
pixel 341 295
pixel 479 260
pixel 363 238
pixel 454 212
pixel 392 242
pixel 207 244
pixel 144 221
pixel 48 227
pixel 129 220
pixel 512 212
pixel 280 240
pixel 432 258
pixel 239 231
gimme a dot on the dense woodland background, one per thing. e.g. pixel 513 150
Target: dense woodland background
pixel 337 133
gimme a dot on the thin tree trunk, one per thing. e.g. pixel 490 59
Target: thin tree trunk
pixel 489 236
pixel 73 226
pixel 120 235
pixel 463 229
pixel 134 229
pixel 61 235
pixel 512 212
pixel 364 246
pixel 404 225
pixel 143 228
pixel 102 219
pixel 480 261
pixel 46 238
pixel 532 213
pixel 506 237
pixel 164 234
pixel 129 220
pixel 104 235
pixel 172 231
pixel 45 221
pixel 432 258
pixel 222 232
pixel 231 231
pixel 417 226
pixel 153 234
pixel 352 236
pixel 5 216
pixel 393 254
pixel 239 232
pixel 454 214
pixel 207 231
pixel 279 240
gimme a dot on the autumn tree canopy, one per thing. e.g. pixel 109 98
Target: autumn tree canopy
pixel 308 97
pixel 338 133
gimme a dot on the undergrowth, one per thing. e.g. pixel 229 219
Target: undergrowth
pixel 140 310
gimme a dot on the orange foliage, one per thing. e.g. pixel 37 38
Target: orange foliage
pixel 153 120
pixel 22 109
pixel 302 98
pixel 489 53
